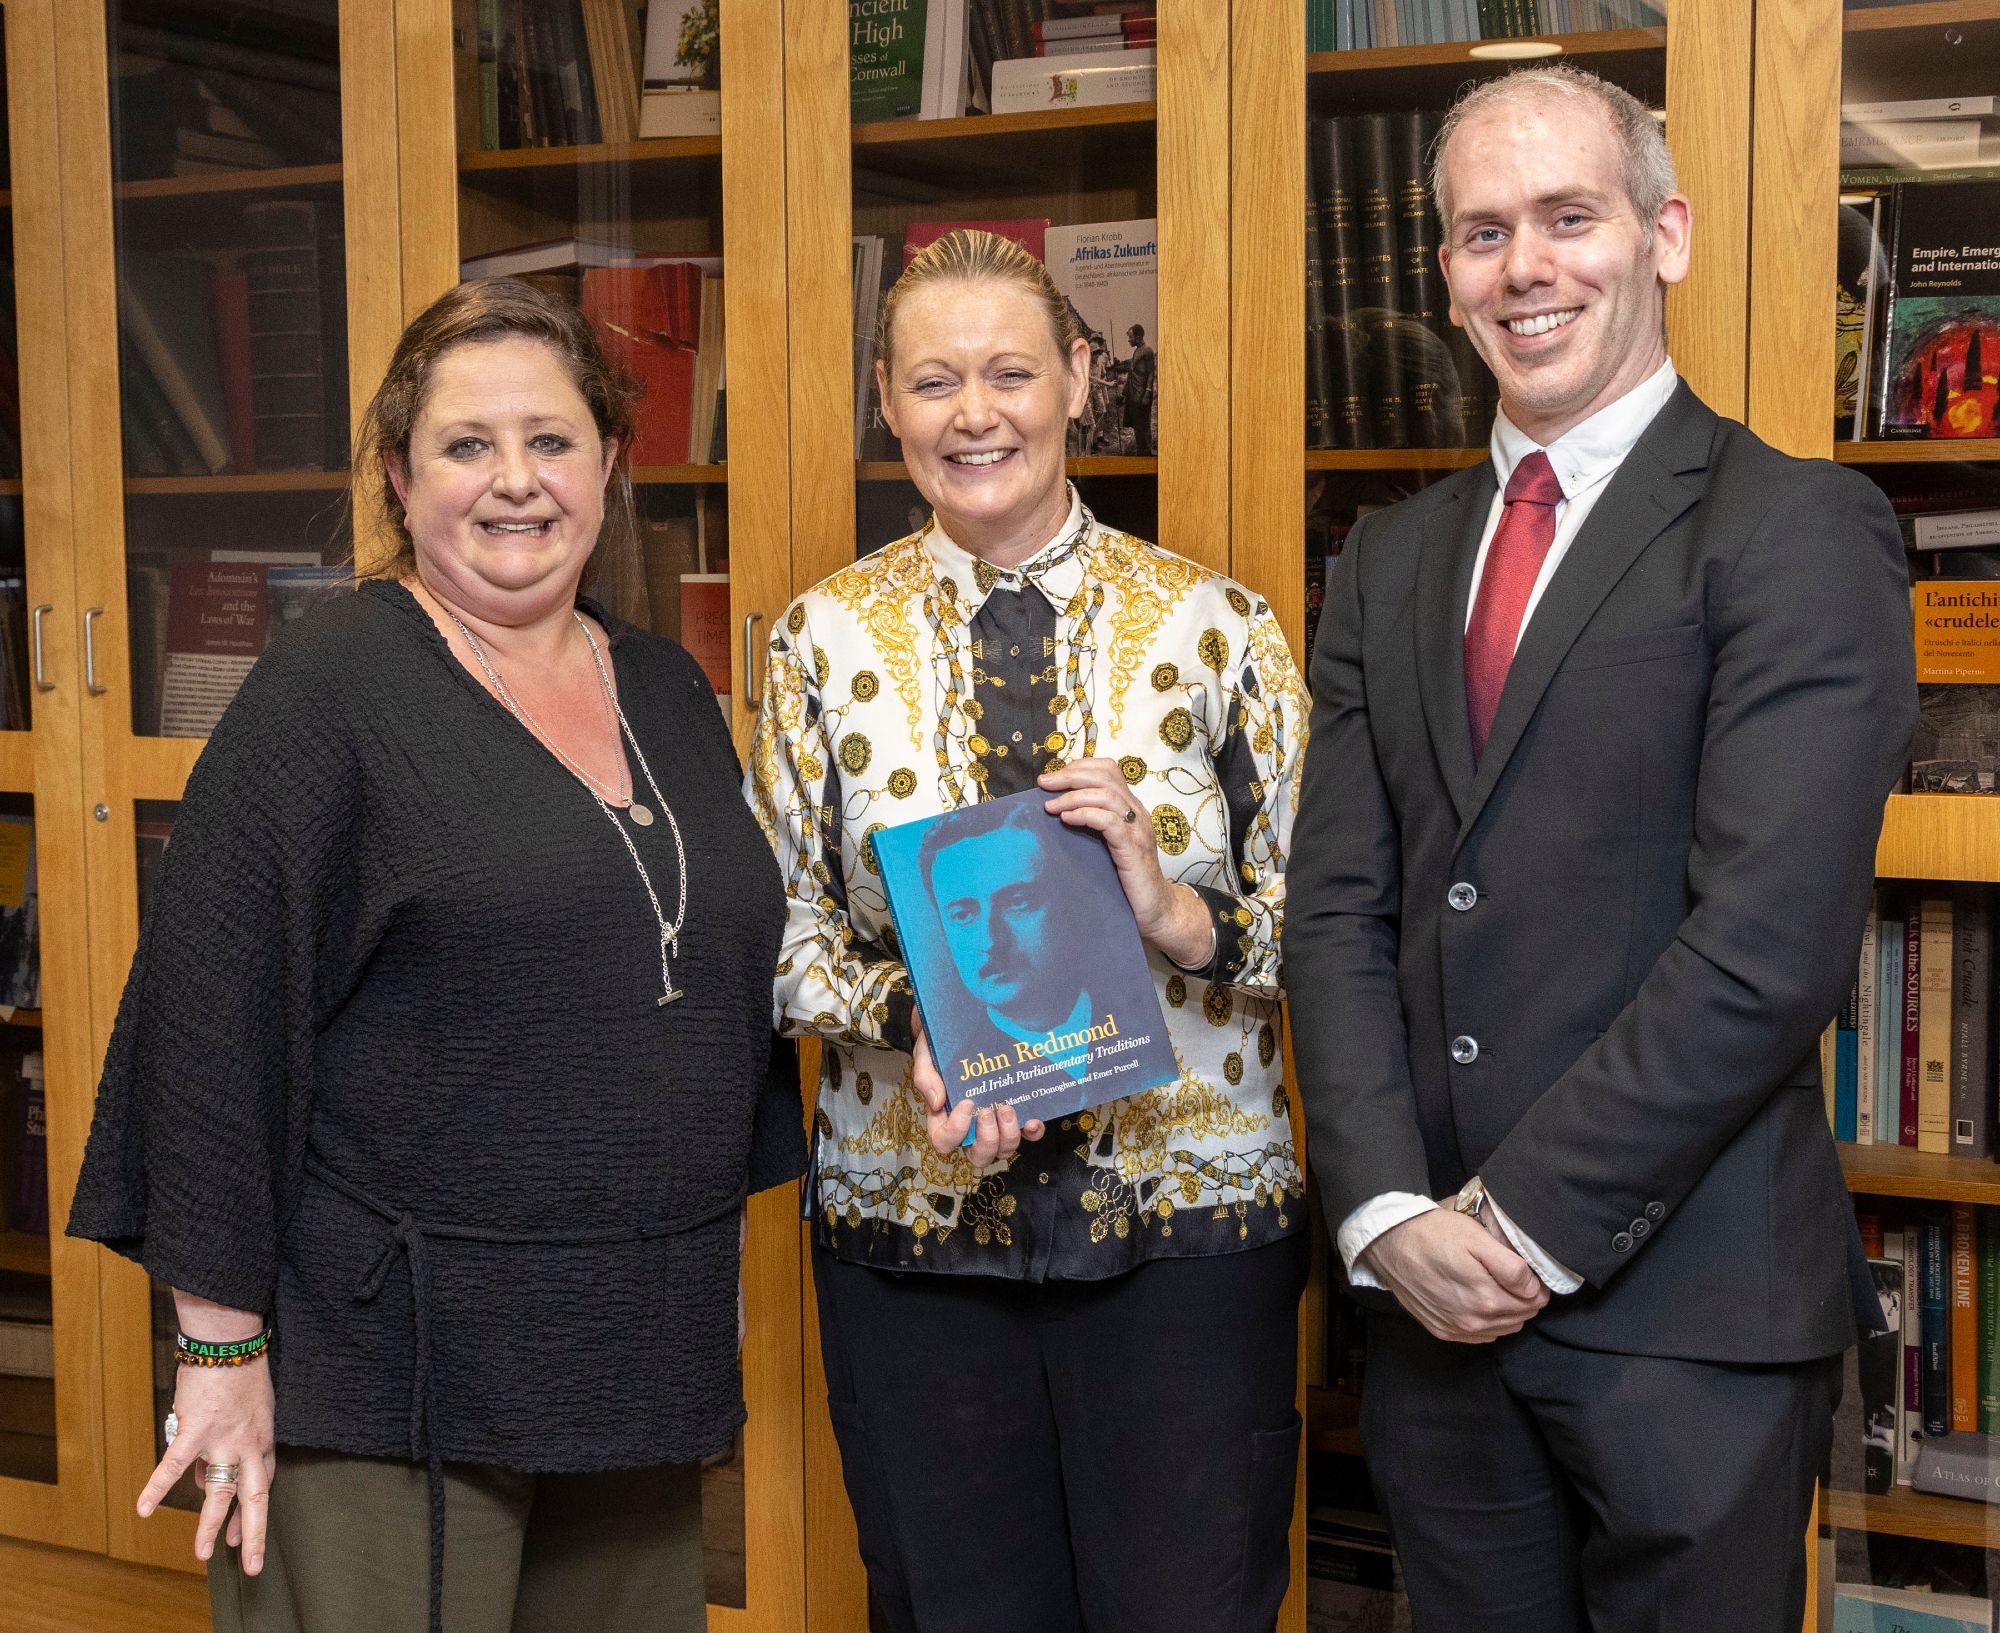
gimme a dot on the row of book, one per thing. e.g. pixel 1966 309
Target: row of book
pixel 1385 366
pixel 938 59
pixel 1910 1059
pixel 237 361
pixel 1917 338
pixel 1109 273
pixel 24 1141
pixel 1935 1371
pixel 1347 25
pixel 253 94
pixel 659 319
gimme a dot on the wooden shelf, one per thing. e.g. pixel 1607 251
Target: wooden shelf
pixel 1940 836
pixel 653 151
pixel 669 475
pixel 278 180
pixel 1393 459
pixel 1918 451
pixel 986 127
pixel 22 1252
pixel 1897 1170
pixel 10 485
pixel 1458 53
pixel 894 470
pixel 1003 155
pixel 1934 14
pixel 23 1017
pixel 256 482
pixel 1907 1513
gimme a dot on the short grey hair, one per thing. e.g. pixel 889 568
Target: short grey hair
pixel 1646 166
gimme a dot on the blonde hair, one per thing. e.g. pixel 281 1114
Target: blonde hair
pixel 967 255
pixel 488 309
pixel 1646 166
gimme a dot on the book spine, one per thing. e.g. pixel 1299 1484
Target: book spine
pixel 1864 1028
pixel 1843 1071
pixel 1340 263
pixel 1429 391
pixel 1319 404
pixel 465 72
pixel 1934 1028
pixel 1909 1415
pixel 1913 934
pixel 288 396
pixel 1934 1234
pixel 1971 1026
pixel 232 353
pixel 1988 1296
pixel 1375 168
pixel 489 74
pixel 1964 1369
pixel 1889 1022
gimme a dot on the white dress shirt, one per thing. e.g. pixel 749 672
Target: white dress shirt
pixel 1584 459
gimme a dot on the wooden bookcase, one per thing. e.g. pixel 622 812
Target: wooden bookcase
pixel 1218 159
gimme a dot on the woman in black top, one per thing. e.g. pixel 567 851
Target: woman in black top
pixel 446 1054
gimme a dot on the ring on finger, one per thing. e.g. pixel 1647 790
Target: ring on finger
pixel 1131 813
pixel 220 1474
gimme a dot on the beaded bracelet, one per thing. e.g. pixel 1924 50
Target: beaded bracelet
pixel 192 1352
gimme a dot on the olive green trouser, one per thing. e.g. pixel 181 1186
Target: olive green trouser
pixel 348 1551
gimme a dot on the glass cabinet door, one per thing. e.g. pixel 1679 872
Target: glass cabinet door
pixel 213 180
pixel 1911 400
pixel 51 1484
pixel 622 159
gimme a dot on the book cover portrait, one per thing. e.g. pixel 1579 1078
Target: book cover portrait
pixel 1029 971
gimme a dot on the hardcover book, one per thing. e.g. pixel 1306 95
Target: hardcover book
pixel 1030 976
pixel 1941 340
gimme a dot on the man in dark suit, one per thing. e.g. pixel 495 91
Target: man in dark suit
pixel 1601 734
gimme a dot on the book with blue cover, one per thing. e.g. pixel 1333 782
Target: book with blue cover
pixel 1029 972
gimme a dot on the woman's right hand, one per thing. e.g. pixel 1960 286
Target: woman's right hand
pixel 222 1415
pixel 999 1132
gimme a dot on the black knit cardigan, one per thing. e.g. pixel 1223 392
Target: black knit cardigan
pixel 390 1065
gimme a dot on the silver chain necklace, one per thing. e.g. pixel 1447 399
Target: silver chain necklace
pixel 670 934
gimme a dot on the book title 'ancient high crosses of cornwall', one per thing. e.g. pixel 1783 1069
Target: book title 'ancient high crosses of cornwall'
pixel 1029 972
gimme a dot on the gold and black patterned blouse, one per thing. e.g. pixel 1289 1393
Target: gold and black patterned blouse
pixel 922 679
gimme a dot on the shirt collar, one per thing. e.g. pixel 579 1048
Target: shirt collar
pixel 1585 454
pixel 1056 569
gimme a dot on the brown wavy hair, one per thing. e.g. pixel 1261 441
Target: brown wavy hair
pixel 480 310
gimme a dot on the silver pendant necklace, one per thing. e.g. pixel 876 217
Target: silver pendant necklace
pixel 670 934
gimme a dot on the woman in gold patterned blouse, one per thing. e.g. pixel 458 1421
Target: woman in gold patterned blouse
pixel 1060 1361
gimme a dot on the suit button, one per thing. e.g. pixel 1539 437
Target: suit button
pixel 1621 1243
pixel 1464 1050
pixel 1639 1228
pixel 1655 1212
pixel 1462 896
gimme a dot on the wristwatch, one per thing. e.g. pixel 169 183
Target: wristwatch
pixel 1471 1199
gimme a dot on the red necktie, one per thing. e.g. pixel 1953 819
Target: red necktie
pixel 1513 562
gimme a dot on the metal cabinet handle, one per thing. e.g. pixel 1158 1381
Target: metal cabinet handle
pixel 753 671
pixel 42 681
pixel 90 617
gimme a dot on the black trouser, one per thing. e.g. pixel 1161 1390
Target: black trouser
pixel 1044 1457
pixel 1536 1488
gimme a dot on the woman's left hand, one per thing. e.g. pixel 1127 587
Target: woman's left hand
pixel 1094 794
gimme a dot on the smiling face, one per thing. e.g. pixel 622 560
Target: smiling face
pixel 981 398
pixel 503 493
pixel 1550 269
pixel 997 894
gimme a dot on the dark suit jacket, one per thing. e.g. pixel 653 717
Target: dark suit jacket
pixel 1671 838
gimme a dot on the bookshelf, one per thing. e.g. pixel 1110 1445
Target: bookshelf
pixel 1218 159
